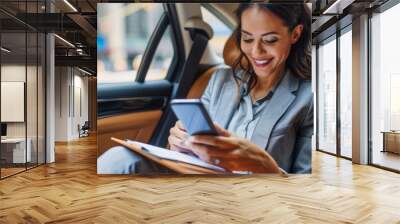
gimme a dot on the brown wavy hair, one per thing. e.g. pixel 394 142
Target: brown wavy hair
pixel 299 59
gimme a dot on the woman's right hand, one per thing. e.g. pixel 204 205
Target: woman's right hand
pixel 177 138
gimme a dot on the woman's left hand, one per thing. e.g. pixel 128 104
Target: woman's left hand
pixel 232 153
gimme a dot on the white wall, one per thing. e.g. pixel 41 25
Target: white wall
pixel 13 73
pixel 71 93
pixel 62 80
pixel 33 126
pixel 16 73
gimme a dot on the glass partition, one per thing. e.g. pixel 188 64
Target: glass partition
pixel 346 93
pixel 31 98
pixel 327 96
pixel 22 78
pixel 13 95
pixel 385 89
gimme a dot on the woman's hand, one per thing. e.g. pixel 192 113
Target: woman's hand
pixel 177 138
pixel 231 152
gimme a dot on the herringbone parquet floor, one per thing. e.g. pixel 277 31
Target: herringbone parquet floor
pixel 69 191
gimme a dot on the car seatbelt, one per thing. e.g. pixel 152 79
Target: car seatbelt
pixel 190 68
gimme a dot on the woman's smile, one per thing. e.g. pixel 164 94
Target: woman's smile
pixel 261 63
pixel 266 45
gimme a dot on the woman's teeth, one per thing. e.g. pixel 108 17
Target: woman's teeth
pixel 261 62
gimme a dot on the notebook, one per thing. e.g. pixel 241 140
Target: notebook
pixel 179 162
pixel 163 153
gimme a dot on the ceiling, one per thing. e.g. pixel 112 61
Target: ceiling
pixel 76 22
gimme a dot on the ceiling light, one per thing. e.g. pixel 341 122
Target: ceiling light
pixel 331 7
pixel 70 5
pixel 65 41
pixel 338 6
pixel 5 50
pixel 84 71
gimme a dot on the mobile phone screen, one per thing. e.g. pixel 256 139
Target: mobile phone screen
pixel 194 117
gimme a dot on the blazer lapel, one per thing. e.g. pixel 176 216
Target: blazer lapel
pixel 279 103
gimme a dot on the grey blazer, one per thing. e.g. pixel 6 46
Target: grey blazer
pixel 286 126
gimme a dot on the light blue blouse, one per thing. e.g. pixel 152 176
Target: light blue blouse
pixel 248 113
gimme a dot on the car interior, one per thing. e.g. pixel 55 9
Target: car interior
pixel 140 110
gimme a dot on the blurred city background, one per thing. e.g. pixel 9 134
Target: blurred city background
pixel 123 32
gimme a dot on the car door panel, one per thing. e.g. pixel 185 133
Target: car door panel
pixel 136 125
pixel 121 90
pixel 129 111
pixel 130 104
pixel 132 97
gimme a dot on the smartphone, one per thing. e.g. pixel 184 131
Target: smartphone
pixel 194 116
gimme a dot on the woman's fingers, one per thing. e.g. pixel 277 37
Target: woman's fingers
pixel 221 131
pixel 201 151
pixel 206 153
pixel 210 154
pixel 179 125
pixel 176 144
pixel 173 140
pixel 179 133
pixel 225 143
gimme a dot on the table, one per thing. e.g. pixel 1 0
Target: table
pixel 391 141
pixel 13 150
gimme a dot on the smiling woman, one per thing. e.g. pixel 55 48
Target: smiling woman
pixel 262 104
pixel 270 47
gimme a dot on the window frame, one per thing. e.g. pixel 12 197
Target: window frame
pixel 28 29
pixel 346 29
pixel 163 23
pixel 333 37
pixel 345 25
pixel 178 59
pixel 323 36
pixel 151 47
pixel 378 10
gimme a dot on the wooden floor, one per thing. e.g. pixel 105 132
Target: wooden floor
pixel 10 171
pixel 69 191
pixel 387 159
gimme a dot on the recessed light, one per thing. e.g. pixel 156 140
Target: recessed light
pixel 5 50
pixel 86 72
pixel 70 5
pixel 64 40
pixel 337 7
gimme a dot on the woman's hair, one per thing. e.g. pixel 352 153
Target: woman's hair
pixel 292 14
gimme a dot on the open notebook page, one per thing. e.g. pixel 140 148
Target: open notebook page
pixel 175 156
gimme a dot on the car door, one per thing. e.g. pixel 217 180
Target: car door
pixel 135 71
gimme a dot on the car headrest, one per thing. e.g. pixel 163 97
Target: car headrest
pixel 197 24
pixel 231 52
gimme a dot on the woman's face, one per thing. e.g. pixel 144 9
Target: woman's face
pixel 266 41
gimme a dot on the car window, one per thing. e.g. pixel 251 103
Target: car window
pixel 124 31
pixel 162 58
pixel 221 31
